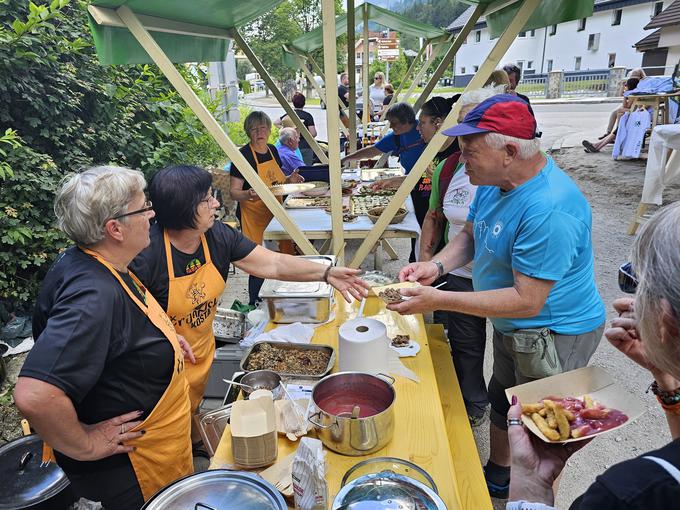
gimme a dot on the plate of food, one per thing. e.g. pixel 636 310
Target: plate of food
pixel 392 293
pixel 404 346
pixel 575 405
pixel 287 189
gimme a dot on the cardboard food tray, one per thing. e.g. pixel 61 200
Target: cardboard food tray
pixel 593 381
pixel 403 285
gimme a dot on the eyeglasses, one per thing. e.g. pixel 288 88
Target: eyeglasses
pixel 148 206
pixel 377 78
pixel 628 281
pixel 212 195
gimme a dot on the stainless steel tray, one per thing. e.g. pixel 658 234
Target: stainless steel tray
pixel 211 425
pixel 300 347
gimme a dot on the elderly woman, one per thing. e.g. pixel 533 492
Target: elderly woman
pixel 648 332
pixel 252 212
pixel 450 199
pixel 104 384
pixel 187 263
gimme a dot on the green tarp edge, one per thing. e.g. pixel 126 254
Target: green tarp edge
pixel 548 12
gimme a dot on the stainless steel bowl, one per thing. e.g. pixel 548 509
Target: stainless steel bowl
pixel 262 380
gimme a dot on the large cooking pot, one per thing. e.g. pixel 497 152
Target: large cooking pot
pixel 354 412
pixel 27 484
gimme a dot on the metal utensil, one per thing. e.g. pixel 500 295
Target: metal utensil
pixel 229 381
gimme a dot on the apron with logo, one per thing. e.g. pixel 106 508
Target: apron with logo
pixel 163 453
pixel 192 304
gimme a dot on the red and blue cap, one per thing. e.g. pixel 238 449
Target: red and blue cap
pixel 503 113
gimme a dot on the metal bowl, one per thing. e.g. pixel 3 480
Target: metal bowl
pixel 262 380
pixel 320 188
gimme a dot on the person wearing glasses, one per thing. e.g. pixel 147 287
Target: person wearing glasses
pixel 251 211
pixel 376 91
pixel 647 330
pixel 104 384
pixel 186 265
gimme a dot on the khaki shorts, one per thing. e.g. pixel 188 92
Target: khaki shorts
pixel 574 351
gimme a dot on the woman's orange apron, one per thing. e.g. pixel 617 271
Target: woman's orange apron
pixel 163 453
pixel 192 304
pixel 254 214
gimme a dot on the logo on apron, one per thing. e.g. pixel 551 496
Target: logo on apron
pixel 196 293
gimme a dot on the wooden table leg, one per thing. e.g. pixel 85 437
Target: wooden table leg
pixel 325 247
pixel 389 250
pixel 637 218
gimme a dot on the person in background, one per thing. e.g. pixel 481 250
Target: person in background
pixel 529 234
pixel 514 76
pixel 299 102
pixel 389 93
pixel 290 140
pixel 104 384
pixel 647 331
pixel 251 211
pixel 615 116
pixel 343 89
pixel 377 91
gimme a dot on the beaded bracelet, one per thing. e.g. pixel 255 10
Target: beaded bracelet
pixel 669 400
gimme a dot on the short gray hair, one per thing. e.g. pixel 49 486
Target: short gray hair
pixel 478 95
pixel 87 200
pixel 525 148
pixel 401 112
pixel 656 262
pixel 254 119
pixel 286 134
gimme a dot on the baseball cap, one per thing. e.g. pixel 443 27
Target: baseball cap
pixel 503 113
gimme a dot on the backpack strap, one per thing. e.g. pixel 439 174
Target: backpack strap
pixel 667 466
pixel 446 176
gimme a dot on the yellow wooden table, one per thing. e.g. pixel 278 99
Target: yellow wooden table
pixel 421 433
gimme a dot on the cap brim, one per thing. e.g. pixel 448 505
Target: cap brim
pixel 463 129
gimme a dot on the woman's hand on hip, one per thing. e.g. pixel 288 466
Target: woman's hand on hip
pixel 108 437
pixel 252 195
pixel 186 349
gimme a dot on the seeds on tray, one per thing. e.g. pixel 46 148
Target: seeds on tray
pixel 288 361
pixel 401 341
pixel 391 295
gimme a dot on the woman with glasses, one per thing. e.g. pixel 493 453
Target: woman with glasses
pixel 376 91
pixel 104 384
pixel 252 212
pixel 187 263
pixel 647 330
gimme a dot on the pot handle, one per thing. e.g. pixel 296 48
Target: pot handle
pixel 391 380
pixel 318 425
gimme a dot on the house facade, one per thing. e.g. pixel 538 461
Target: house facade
pixel 603 40
pixel 661 47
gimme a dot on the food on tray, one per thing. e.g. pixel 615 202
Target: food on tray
pixel 345 209
pixel 562 418
pixel 364 203
pixel 401 341
pixel 391 295
pixel 288 361
pixel 311 202
pixel 348 218
pixel 368 191
pixel 350 184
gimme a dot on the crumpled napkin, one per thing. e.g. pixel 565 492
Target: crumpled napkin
pixel 296 333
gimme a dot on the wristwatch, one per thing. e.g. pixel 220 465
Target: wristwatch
pixel 440 267
pixel 526 505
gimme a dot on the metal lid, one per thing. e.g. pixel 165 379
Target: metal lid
pixel 23 482
pixel 280 289
pixel 387 491
pixel 218 489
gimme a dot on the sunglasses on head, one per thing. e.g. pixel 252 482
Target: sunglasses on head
pixel 628 281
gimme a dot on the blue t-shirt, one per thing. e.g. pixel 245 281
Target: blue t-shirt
pixel 543 230
pixel 408 146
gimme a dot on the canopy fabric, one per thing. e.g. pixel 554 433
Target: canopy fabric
pixel 549 12
pixel 117 45
pixel 314 40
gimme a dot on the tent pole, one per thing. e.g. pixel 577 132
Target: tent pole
pixel 395 97
pixel 245 48
pixel 423 70
pixel 330 60
pixel 495 55
pixel 446 61
pixel 168 69
pixel 352 72
pixel 364 73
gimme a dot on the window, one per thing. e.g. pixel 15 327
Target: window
pixel 581 25
pixel 530 64
pixel 475 68
pixel 577 63
pixel 616 16
pixel 478 36
pixel 532 33
pixel 462 70
pixel 550 65
pixel 522 34
pixel 657 8
pixel 594 42
pixel 553 30
pixel 611 60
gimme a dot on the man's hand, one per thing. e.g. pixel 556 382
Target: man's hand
pixel 295 177
pixel 422 272
pixel 107 437
pixel 421 299
pixel 347 281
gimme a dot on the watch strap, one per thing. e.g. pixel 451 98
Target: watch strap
pixel 440 267
pixel 527 505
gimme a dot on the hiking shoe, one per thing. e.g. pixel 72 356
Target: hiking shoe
pixel 495 490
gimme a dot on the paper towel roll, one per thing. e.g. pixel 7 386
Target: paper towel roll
pixel 363 346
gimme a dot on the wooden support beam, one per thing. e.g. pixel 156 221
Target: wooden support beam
pixel 168 69
pixel 485 70
pixel 304 132
pixel 352 72
pixel 435 55
pixel 412 67
pixel 332 126
pixel 364 78
pixel 450 54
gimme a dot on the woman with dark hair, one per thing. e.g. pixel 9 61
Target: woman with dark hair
pixel 187 262
pixel 299 102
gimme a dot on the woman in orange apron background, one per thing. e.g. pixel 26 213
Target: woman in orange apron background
pixel 104 384
pixel 253 213
pixel 187 264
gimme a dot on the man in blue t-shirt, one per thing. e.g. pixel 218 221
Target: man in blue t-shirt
pixel 529 236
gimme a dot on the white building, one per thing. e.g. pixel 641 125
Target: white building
pixel 661 48
pixel 604 40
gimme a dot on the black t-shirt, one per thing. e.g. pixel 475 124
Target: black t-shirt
pixel 225 244
pixel 387 99
pixel 636 484
pixel 96 345
pixel 307 120
pixel 524 98
pixel 261 158
pixel 342 92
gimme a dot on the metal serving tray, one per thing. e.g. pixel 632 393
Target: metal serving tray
pixel 211 425
pixel 299 347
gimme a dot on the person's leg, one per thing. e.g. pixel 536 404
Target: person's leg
pixel 467 336
pixel 613 118
pixel 115 488
pixel 254 286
